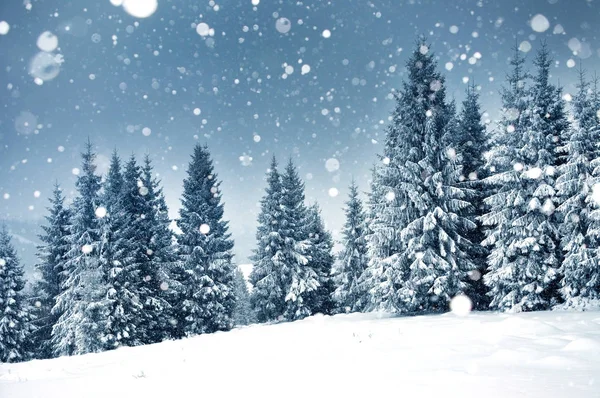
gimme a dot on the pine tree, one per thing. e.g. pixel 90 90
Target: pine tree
pixel 523 235
pixel 419 254
pixel 83 305
pixel 52 254
pixel 207 298
pixel 353 259
pixel 300 281
pixel 471 143
pixel 268 296
pixel 14 316
pixel 243 314
pixel 580 266
pixel 321 261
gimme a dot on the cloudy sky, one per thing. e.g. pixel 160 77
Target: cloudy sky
pixel 309 80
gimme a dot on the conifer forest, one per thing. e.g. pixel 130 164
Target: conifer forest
pixel 172 171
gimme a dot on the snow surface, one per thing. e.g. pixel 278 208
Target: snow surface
pixel 545 354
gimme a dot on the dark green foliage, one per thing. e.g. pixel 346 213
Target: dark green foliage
pixel 206 298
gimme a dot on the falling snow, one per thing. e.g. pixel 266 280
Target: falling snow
pixel 4 27
pixel 204 229
pixel 138 8
pixel 283 25
pixel 332 165
pixel 540 23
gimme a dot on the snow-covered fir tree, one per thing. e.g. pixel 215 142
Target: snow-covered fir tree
pixel 300 280
pixel 353 258
pixel 321 260
pixel 243 314
pixel 522 227
pixel 52 254
pixel 123 271
pixel 580 236
pixel 419 254
pixel 207 296
pixel 83 305
pixel 14 316
pixel 387 215
pixel 155 248
pixel 113 251
pixel 268 296
pixel 471 142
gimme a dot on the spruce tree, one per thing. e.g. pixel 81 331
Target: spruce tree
pixel 154 247
pixel 471 137
pixel 504 179
pixel 242 314
pixel 321 261
pixel 268 297
pixel 124 274
pixel 207 298
pixel 419 254
pixel 579 235
pixel 299 279
pixel 523 232
pixel 83 305
pixel 471 143
pixel 353 259
pixel 113 250
pixel 52 254
pixel 14 316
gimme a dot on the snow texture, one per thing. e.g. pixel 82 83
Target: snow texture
pixel 543 354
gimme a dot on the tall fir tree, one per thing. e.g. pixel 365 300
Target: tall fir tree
pixel 268 296
pixel 124 272
pixel 353 258
pixel 522 228
pixel 299 279
pixel 52 254
pixel 83 305
pixel 504 181
pixel 14 316
pixel 549 129
pixel 471 143
pixel 113 252
pixel 207 296
pixel 156 245
pixel 243 314
pixel 321 261
pixel 579 234
pixel 419 254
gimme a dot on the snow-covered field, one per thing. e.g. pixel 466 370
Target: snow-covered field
pixel 548 354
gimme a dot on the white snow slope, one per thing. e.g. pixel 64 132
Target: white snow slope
pixel 546 354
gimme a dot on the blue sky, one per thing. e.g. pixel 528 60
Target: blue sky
pixel 243 86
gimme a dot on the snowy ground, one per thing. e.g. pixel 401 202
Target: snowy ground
pixel 549 354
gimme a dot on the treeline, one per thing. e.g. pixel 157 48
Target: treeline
pixel 509 217
pixel 111 272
